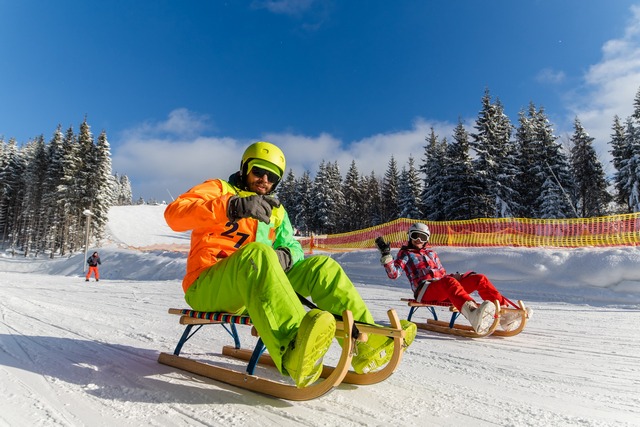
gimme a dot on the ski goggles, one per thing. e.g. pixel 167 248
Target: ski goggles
pixel 260 172
pixel 421 237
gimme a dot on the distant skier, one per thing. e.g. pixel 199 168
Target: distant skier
pixel 430 282
pixel 93 261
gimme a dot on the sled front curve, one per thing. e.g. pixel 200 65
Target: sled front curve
pixel 395 331
pixel 270 387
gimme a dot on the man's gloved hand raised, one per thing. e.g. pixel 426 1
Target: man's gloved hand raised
pixel 385 251
pixel 256 206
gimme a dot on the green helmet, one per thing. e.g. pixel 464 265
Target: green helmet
pixel 267 152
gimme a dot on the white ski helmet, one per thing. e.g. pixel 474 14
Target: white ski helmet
pixel 420 229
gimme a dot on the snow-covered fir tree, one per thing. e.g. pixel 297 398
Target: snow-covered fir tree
pixel 373 211
pixel 121 188
pixel 101 174
pixel 390 203
pixel 630 168
pixel 303 220
pixel 552 161
pixel 286 193
pixel 409 192
pixel 590 182
pixel 336 198
pixel 620 153
pixel 495 162
pixel 321 205
pixel 33 218
pixel 13 166
pixel 432 168
pixel 458 178
pixel 354 201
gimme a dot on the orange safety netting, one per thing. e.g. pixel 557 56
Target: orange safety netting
pixel 614 230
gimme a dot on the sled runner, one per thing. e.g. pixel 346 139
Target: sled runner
pixel 453 328
pixel 347 332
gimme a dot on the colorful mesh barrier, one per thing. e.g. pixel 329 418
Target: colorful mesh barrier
pixel 614 230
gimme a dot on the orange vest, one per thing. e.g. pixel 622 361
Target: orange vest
pixel 203 210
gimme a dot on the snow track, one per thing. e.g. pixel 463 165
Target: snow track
pixel 77 353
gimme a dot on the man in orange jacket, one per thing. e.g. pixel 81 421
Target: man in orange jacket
pixel 243 258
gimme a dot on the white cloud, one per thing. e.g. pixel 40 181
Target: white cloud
pixel 548 75
pixel 610 86
pixel 172 163
pixel 180 122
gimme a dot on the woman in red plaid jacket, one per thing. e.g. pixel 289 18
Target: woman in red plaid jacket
pixel 431 283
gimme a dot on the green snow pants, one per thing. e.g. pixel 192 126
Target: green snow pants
pixel 251 280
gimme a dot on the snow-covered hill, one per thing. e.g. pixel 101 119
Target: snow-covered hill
pixel 76 353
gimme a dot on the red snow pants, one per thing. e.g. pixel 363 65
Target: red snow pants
pixel 457 292
pixel 95 272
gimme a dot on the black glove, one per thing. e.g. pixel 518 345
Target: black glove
pixel 256 206
pixel 284 257
pixel 385 251
pixel 383 246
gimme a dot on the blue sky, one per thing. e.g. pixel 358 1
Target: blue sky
pixel 181 87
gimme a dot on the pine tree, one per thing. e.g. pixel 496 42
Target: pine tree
pixel 51 203
pixel 630 168
pixel 433 168
pixel 69 194
pixel 591 184
pixel 13 166
pixel 636 107
pixel 409 192
pixel 495 163
pixel 286 193
pixel 303 220
pixel 321 194
pixel 621 152
pixel 459 180
pixel 354 203
pixel 374 207
pixel 101 181
pixel 390 204
pixel 552 200
pixel 336 201
pixel 529 179
pixel 33 218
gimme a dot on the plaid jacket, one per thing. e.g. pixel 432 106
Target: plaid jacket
pixel 420 265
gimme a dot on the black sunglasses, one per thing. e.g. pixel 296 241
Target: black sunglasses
pixel 416 235
pixel 259 172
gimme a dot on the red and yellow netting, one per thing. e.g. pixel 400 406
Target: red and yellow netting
pixel 614 230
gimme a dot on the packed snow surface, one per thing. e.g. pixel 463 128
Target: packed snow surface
pixel 76 353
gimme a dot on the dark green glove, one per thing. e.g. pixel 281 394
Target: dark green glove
pixel 256 206
pixel 284 257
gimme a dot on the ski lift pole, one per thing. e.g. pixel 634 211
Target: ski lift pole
pixel 88 214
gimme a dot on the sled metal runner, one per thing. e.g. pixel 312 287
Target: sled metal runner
pixel 346 331
pixel 453 328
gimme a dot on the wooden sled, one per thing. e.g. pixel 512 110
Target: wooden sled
pixel 453 328
pixel 346 332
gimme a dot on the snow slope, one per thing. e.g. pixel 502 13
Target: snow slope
pixel 74 353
